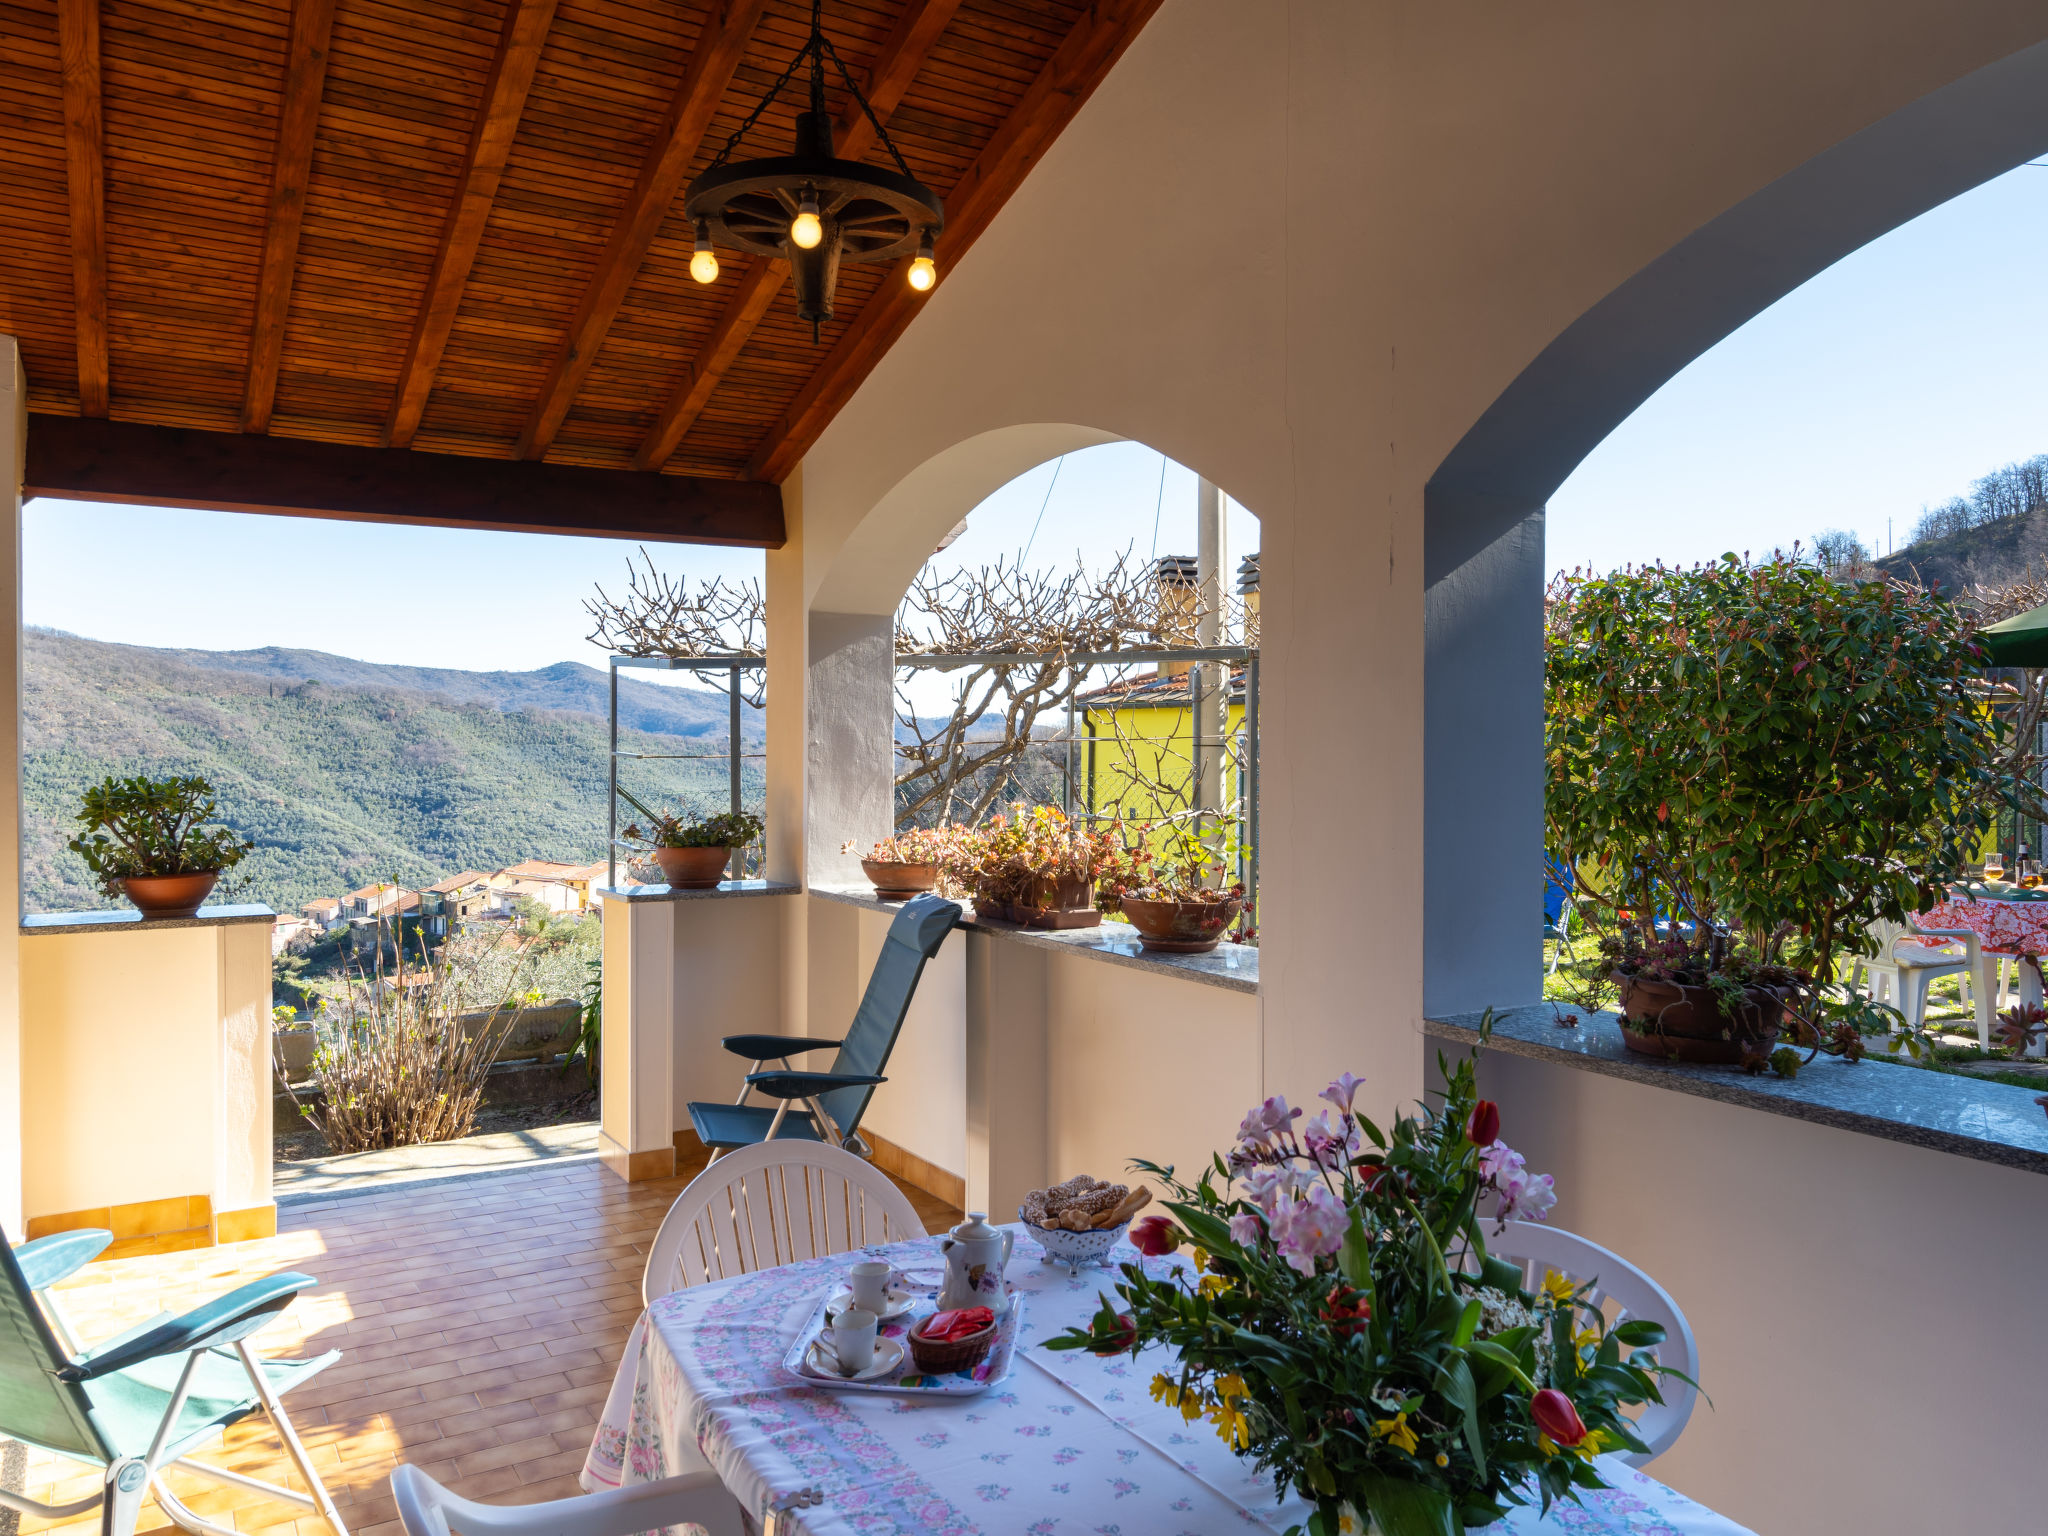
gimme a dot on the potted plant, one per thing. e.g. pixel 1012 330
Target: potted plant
pixel 906 863
pixel 1183 911
pixel 693 854
pixel 1034 867
pixel 148 840
pixel 1344 1328
pixel 1747 765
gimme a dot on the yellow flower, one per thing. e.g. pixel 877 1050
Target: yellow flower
pixel 1231 1424
pixel 1442 1460
pixel 1584 1337
pixel 1558 1288
pixel 1190 1407
pixel 1214 1285
pixel 1202 1260
pixel 1228 1387
pixel 1165 1390
pixel 1395 1432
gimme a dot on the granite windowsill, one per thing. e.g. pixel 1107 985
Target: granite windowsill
pixel 724 890
pixel 1947 1112
pixel 98 922
pixel 1234 967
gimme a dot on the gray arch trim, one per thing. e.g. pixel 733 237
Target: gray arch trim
pixel 1483 509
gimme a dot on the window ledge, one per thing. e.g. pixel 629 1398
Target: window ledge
pixel 1234 967
pixel 94 922
pixel 724 889
pixel 1946 1112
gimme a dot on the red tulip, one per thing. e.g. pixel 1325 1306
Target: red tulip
pixel 1483 1129
pixel 1556 1417
pixel 1120 1339
pixel 1155 1237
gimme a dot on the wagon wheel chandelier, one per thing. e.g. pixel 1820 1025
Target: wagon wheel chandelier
pixel 810 208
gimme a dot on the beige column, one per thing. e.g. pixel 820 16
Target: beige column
pixel 13 450
pixel 1006 1073
pixel 636 1134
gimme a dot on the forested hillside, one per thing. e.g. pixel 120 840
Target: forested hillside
pixel 344 771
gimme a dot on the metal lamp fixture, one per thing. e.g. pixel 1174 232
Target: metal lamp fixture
pixel 810 208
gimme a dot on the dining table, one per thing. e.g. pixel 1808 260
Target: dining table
pixel 1065 1444
pixel 2009 925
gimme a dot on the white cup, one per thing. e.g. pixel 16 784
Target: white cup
pixel 869 1282
pixel 853 1340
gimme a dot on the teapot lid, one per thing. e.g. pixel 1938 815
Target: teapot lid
pixel 975 1226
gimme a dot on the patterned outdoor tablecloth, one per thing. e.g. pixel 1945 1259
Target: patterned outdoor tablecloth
pixel 2010 927
pixel 1069 1445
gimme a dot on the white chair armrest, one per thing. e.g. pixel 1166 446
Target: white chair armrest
pixel 425 1508
pixel 1972 940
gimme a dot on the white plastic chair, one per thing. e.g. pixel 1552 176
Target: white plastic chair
pixel 774 1203
pixel 696 1499
pixel 1903 959
pixel 1633 1294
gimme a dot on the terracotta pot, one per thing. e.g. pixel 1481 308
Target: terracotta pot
pixel 1674 1021
pixel 896 882
pixel 1181 927
pixel 693 869
pixel 158 896
pixel 1068 902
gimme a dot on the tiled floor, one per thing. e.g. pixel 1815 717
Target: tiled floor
pixel 480 1324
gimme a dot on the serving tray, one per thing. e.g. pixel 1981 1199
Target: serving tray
pixel 994 1367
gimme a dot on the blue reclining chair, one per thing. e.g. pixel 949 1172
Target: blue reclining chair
pixel 833 1101
pixel 139 1402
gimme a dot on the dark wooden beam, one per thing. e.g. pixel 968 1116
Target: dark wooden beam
pixel 712 62
pixel 897 62
pixel 291 166
pixel 490 141
pixel 78 35
pixel 1061 89
pixel 89 460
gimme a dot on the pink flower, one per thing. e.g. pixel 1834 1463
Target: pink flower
pixel 1525 1196
pixel 1497 1159
pixel 1330 1144
pixel 1342 1091
pixel 1308 1228
pixel 1267 1118
pixel 1246 1229
pixel 1268 1183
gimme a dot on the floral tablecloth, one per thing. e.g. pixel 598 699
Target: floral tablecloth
pixel 2010 927
pixel 1068 1445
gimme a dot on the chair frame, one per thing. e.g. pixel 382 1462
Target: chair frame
pixel 1908 980
pixel 742 1214
pixel 425 1508
pixel 1538 1248
pixel 224 1324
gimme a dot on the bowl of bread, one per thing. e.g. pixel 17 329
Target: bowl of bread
pixel 1078 1222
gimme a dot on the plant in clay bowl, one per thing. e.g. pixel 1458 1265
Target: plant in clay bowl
pixel 906 863
pixel 1034 867
pixel 148 840
pixel 1181 907
pixel 692 853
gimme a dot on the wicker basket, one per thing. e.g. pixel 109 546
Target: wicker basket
pixel 936 1358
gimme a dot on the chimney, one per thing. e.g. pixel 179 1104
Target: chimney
pixel 1248 591
pixel 1175 582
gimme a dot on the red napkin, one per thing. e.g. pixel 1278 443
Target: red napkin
pixel 950 1327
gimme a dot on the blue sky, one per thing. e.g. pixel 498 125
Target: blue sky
pixel 1887 383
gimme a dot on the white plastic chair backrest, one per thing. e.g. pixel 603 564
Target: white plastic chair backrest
pixel 774 1203
pixel 425 1508
pixel 1621 1291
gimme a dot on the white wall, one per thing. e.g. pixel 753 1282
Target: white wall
pixel 1863 1308
pixel 923 1106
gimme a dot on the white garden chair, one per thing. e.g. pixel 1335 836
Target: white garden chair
pixel 774 1203
pixel 695 1499
pixel 1903 959
pixel 1620 1291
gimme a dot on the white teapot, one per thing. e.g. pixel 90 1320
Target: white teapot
pixel 976 1256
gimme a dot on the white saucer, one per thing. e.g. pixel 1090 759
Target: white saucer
pixel 899 1302
pixel 818 1361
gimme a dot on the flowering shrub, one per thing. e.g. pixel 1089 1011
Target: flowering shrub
pixel 1344 1327
pixel 1013 858
pixel 915 845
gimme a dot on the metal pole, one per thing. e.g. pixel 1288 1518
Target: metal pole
pixel 611 828
pixel 733 733
pixel 1251 787
pixel 1069 793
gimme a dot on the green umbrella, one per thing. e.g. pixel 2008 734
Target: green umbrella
pixel 2020 641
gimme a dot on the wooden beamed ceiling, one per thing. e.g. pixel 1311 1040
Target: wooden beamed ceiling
pixel 454 226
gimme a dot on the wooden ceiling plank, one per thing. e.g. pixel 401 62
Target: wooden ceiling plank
pixel 91 460
pixel 291 168
pixel 712 62
pixel 1060 90
pixel 897 62
pixel 490 143
pixel 78 30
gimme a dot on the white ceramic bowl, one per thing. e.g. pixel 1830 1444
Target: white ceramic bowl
pixel 1074 1249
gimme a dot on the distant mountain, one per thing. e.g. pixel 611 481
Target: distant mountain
pixel 1990 555
pixel 345 771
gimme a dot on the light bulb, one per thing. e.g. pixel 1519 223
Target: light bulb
pixel 805 230
pixel 924 271
pixel 704 260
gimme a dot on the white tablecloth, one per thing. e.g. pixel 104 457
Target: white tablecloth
pixel 1067 1445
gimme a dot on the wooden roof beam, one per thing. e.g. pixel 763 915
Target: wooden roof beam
pixel 897 62
pixel 717 54
pixel 1070 76
pixel 291 166
pixel 78 42
pixel 490 143
pixel 115 461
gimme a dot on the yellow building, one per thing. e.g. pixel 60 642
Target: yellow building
pixel 1137 750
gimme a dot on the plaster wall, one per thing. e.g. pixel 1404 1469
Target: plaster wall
pixel 923 1106
pixel 13 447
pixel 1838 1286
pixel 146 1068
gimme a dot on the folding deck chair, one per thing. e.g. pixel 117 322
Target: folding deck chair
pixel 833 1102
pixel 142 1400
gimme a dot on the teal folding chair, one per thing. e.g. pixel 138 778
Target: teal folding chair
pixel 833 1102
pixel 138 1403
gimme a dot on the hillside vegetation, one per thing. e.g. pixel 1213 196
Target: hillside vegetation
pixel 343 771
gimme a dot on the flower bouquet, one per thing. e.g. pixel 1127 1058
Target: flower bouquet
pixel 1344 1327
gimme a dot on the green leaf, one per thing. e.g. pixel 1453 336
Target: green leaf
pixel 1402 1508
pixel 1468 1324
pixel 1639 1333
pixel 1354 1259
pixel 1455 1383
pixel 1208 1230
